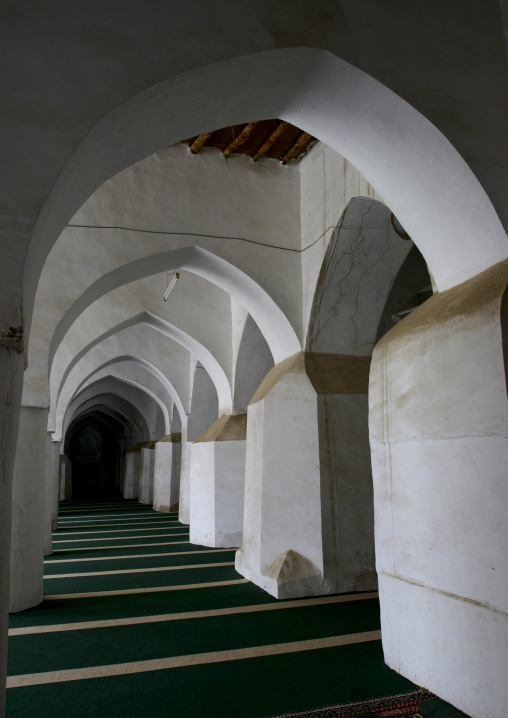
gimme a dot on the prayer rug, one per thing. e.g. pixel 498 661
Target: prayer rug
pixel 402 704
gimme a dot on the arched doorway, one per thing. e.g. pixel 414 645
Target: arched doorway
pixel 95 453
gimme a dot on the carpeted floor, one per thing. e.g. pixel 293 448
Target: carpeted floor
pixel 136 621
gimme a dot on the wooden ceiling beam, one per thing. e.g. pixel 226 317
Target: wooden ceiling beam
pixel 270 141
pixel 238 141
pixel 199 142
pixel 296 148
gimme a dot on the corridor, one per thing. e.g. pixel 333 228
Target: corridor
pixel 135 616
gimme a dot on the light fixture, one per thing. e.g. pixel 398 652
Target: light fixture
pixel 172 283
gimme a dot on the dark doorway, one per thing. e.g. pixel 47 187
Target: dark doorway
pixel 95 453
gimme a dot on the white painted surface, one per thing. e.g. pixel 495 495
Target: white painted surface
pixel 166 492
pixel 103 395
pixel 132 475
pixel 146 475
pixel 11 380
pixel 162 475
pixel 438 432
pixel 65 479
pixel 27 542
pixel 419 171
pixel 437 648
pixel 202 494
pixel 52 493
pixel 217 482
pixel 140 399
pixel 205 407
pixel 254 361
pixel 140 341
pixel 184 503
pixel 282 489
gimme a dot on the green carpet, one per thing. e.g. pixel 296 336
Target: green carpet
pixel 244 688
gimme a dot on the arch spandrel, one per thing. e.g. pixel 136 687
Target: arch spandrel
pixel 412 165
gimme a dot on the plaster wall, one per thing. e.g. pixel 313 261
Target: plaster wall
pixel 266 194
pixel 205 408
pixel 166 494
pixel 11 380
pixel 52 492
pixel 253 363
pixel 202 495
pixel 132 475
pixel 439 455
pixel 147 474
pixel 118 407
pixel 328 182
pixel 217 482
pixel 136 374
pixel 439 193
pixel 65 479
pixel 184 502
pixel 347 501
pixel 282 548
pixel 357 273
pixel 239 315
pixel 176 422
pixel 140 341
pixel 27 542
pixel 141 403
pixel 210 327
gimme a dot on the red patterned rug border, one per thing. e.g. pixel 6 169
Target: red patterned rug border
pixel 375 706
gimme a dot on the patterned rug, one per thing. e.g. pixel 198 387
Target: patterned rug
pixel 402 704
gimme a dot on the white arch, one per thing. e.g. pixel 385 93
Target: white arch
pixel 414 167
pixel 140 340
pixel 151 388
pixel 275 326
pixel 87 400
pixel 203 355
pixel 149 367
pixel 110 386
pixel 120 418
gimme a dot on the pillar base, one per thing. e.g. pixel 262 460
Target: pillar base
pixel 290 575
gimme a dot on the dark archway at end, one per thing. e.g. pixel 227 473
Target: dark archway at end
pixel 95 454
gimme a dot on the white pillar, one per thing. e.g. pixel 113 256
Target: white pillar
pixel 282 549
pixel 217 483
pixel 184 503
pixel 438 430
pixel 132 468
pixel 147 473
pixel 11 382
pixel 308 523
pixel 27 535
pixel 52 492
pixel 65 479
pixel 166 483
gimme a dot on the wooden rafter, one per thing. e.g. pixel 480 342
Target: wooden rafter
pixel 270 141
pixel 296 148
pixel 238 141
pixel 199 142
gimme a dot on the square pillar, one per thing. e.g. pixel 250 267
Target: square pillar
pixel 132 471
pixel 147 473
pixel 166 489
pixel 217 484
